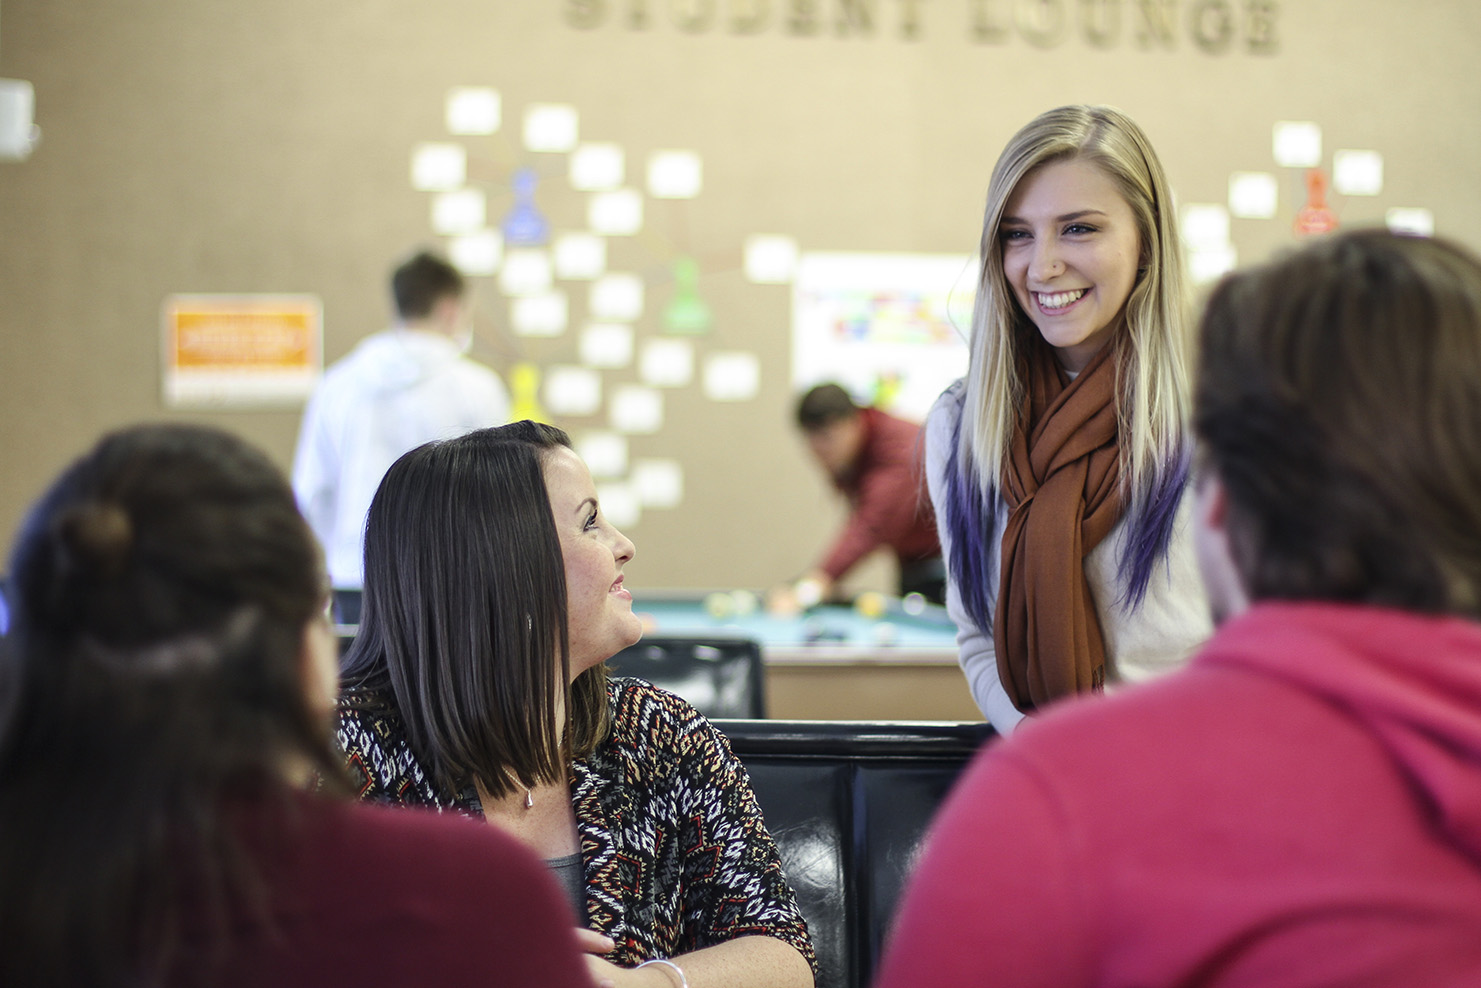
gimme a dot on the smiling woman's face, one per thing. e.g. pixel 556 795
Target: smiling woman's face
pixel 599 608
pixel 1070 254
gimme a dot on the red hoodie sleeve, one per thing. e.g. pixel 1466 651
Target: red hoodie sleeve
pixel 889 504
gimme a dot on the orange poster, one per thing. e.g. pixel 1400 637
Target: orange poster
pixel 241 350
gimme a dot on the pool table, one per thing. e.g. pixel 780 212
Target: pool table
pixel 828 633
pixel 832 662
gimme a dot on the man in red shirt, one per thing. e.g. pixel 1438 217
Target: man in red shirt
pixel 874 460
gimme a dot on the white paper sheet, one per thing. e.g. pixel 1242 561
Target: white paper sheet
pixel 674 175
pixel 597 167
pixel 571 390
pixel 615 214
pixel 550 127
pixel 1205 226
pixel 605 453
pixel 667 363
pixel 659 483
pixel 636 409
pixel 1253 195
pixel 1297 144
pixel 1208 264
pixel 732 376
pixel 616 298
pixel 539 315
pixel 477 253
pixel 1411 219
pixel 608 345
pixel 463 211
pixel 620 504
pixel 526 271
pixel 771 260
pixel 473 110
pixel 1357 173
pixel 438 167
pixel 580 256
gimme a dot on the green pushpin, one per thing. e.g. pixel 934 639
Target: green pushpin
pixel 687 313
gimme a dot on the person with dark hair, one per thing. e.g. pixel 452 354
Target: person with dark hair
pixel 166 698
pixel 1301 805
pixel 494 593
pixel 873 459
pixel 397 389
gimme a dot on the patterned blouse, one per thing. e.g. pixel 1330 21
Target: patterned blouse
pixel 675 852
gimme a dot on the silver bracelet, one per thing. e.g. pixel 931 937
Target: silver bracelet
pixel 683 981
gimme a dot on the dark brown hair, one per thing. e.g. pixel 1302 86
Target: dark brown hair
pixel 823 405
pixel 463 625
pixel 1339 400
pixel 423 280
pixel 161 590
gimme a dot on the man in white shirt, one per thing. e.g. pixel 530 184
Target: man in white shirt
pixel 396 390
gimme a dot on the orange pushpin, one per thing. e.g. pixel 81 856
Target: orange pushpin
pixel 1315 217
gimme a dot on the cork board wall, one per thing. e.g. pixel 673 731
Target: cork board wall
pixel 215 147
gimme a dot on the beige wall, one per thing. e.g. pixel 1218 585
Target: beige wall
pixel 216 146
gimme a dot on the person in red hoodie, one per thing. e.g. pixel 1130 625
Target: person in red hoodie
pixel 1300 806
pixel 874 460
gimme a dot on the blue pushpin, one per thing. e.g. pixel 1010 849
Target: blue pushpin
pixel 524 226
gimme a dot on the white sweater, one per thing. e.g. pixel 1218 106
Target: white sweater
pixel 1172 620
pixel 395 391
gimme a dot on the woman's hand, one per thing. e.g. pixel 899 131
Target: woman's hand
pixel 609 975
pixel 748 962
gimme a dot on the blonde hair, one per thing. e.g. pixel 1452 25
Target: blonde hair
pixel 1152 354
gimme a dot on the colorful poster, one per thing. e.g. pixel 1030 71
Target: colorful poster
pixel 890 328
pixel 240 350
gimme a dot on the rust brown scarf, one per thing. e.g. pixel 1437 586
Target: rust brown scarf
pixel 1063 494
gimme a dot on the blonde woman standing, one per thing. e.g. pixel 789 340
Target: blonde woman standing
pixel 1057 465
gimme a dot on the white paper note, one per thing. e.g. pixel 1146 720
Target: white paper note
pixel 615 214
pixel 597 167
pixel 636 409
pixel 438 167
pixel 1253 195
pixel 580 256
pixel 732 376
pixel 539 315
pixel 658 483
pixel 477 253
pixel 526 271
pixel 616 298
pixel 463 211
pixel 1208 264
pixel 1297 144
pixel 572 390
pixel 771 260
pixel 550 127
pixel 674 175
pixel 667 363
pixel 607 344
pixel 1411 219
pixel 1205 226
pixel 473 110
pixel 620 504
pixel 1357 173
pixel 605 453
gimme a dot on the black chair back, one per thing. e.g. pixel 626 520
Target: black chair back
pixel 347 605
pixel 849 803
pixel 721 677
